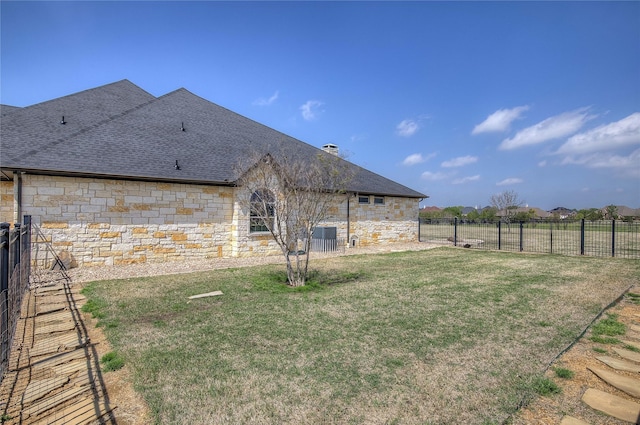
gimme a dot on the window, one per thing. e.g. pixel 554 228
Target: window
pixel 363 199
pixel 378 200
pixel 262 211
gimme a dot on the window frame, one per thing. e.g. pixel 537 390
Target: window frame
pixel 361 200
pixel 260 200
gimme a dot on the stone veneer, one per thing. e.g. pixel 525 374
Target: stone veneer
pixel 108 221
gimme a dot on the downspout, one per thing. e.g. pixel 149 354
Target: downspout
pixel 348 219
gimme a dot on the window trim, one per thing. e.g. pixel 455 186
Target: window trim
pixel 378 200
pixel 361 200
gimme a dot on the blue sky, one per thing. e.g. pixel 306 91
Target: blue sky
pixel 459 100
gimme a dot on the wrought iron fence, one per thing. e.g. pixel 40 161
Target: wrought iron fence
pixel 15 260
pixel 600 238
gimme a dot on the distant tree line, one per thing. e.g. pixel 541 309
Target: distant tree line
pixel 506 206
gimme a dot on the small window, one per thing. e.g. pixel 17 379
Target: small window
pixel 262 211
pixel 378 200
pixel 363 199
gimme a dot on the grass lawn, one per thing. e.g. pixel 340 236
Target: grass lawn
pixel 445 336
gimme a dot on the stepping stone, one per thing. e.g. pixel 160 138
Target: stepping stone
pixel 57 327
pixel 51 289
pixel 57 316
pixel 612 405
pixel 208 294
pixel 619 364
pixel 57 344
pixel 84 413
pixel 39 388
pixel 632 343
pixel 628 354
pixel 629 385
pixel 570 420
pixel 50 308
pixel 54 401
pixel 58 359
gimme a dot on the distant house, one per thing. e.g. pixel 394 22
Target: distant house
pixel 624 212
pixel 116 175
pixel 562 213
pixel 536 212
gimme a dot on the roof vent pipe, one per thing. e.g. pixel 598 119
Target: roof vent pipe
pixel 62 121
pixel 177 166
pixel 182 126
pixel 331 148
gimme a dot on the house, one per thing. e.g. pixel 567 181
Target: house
pixel 562 213
pixel 115 175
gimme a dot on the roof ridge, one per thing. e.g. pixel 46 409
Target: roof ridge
pixel 85 91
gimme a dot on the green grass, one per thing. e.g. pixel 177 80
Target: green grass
pixel 563 373
pixel 605 331
pixel 440 336
pixel 111 361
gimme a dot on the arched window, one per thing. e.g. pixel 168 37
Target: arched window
pixel 262 211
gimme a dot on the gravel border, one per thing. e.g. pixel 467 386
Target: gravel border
pixel 89 274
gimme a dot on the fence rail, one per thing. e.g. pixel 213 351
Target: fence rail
pixel 15 260
pixel 602 238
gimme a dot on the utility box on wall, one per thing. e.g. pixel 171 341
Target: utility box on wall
pixel 324 239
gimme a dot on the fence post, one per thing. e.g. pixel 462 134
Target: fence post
pixel 613 237
pixel 499 235
pixel 582 236
pixel 15 251
pixel 521 241
pixel 26 247
pixel 551 230
pixel 4 291
pixel 419 226
pixel 455 231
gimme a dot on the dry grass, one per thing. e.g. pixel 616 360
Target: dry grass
pixel 445 336
pixel 557 238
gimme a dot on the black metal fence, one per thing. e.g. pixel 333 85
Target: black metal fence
pixel 15 260
pixel 600 238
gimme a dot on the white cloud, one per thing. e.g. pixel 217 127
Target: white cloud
pixel 266 102
pixel 509 181
pixel 542 163
pixel 500 120
pixel 428 175
pixel 407 128
pixel 413 159
pixel 627 165
pixel 552 128
pixel 460 161
pixel 311 109
pixel 467 179
pixel 605 137
pixel 417 158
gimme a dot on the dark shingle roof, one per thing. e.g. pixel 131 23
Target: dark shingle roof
pixel 119 130
pixel 7 109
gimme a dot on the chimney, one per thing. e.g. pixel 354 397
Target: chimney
pixel 330 148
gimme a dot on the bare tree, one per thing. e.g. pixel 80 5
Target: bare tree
pixel 506 203
pixel 288 195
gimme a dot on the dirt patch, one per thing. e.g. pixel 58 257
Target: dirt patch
pixel 131 408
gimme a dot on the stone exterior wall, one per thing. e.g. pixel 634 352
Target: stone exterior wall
pixel 110 222
pixel 6 202
pixel 396 220
pixel 105 222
